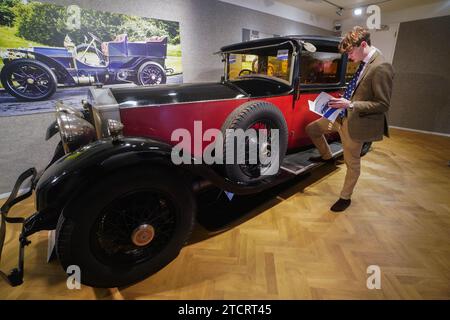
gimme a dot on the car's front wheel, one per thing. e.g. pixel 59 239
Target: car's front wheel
pixel 126 227
pixel 28 79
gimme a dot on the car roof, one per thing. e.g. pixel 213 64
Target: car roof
pixel 296 39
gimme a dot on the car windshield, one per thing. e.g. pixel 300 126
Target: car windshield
pixel 270 62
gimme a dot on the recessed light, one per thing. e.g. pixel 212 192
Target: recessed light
pixel 357 12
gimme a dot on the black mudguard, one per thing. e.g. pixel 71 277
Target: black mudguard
pixel 75 172
pixel 62 74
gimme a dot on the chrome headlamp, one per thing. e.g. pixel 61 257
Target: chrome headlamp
pixel 60 107
pixel 75 131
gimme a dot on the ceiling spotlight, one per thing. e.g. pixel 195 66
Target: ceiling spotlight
pixel 339 11
pixel 357 12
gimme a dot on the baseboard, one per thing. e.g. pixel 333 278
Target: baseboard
pixel 422 131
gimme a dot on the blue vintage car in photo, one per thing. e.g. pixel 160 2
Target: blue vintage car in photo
pixel 34 73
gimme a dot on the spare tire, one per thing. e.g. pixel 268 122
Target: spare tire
pixel 253 115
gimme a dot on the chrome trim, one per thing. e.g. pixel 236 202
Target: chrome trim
pixel 61 107
pixel 104 107
pixel 115 129
pixel 201 101
pixel 175 103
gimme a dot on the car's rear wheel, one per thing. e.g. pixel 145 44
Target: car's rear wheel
pixel 126 227
pixel 28 79
pixel 257 115
pixel 151 73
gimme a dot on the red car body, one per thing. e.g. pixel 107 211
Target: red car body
pixel 117 153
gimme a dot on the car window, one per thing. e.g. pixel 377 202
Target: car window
pixel 351 70
pixel 273 62
pixel 320 67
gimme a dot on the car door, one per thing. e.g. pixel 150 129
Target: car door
pixel 319 71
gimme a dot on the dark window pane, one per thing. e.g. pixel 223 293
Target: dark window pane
pixel 351 70
pixel 320 67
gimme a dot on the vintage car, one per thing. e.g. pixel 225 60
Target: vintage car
pixel 121 207
pixel 34 74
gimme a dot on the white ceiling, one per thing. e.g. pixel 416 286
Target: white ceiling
pixel 323 8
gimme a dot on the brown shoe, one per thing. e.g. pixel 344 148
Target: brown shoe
pixel 341 205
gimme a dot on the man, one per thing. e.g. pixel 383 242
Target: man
pixel 364 104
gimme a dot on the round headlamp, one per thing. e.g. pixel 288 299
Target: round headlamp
pixel 75 131
pixel 60 107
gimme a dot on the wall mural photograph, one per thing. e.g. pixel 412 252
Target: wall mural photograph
pixel 50 52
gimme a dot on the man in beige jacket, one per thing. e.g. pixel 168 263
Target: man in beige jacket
pixel 364 104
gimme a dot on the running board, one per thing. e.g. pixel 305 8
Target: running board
pixel 299 163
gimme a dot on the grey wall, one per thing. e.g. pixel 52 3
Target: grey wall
pixel 421 94
pixel 205 26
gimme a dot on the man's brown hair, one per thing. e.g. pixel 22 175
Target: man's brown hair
pixel 354 38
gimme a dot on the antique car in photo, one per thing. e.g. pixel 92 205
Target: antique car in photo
pixel 34 73
pixel 121 208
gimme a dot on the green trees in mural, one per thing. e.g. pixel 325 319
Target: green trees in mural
pixel 46 23
pixel 7 14
pixel 41 22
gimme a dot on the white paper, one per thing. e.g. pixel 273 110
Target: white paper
pixel 320 107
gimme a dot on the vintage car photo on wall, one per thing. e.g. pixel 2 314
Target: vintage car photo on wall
pixel 121 208
pixel 51 52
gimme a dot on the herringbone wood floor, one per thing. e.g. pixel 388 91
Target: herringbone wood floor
pixel 295 248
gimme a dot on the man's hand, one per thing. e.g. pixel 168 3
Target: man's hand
pixel 339 103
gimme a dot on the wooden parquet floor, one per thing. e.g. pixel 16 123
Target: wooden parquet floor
pixel 295 248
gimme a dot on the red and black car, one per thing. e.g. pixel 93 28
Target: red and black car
pixel 121 207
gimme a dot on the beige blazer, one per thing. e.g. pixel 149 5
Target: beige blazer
pixel 371 101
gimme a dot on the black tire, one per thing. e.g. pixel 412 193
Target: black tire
pixel 157 198
pixel 151 73
pixel 365 148
pixel 28 80
pixel 92 50
pixel 245 117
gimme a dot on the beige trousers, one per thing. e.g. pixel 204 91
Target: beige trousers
pixel 352 149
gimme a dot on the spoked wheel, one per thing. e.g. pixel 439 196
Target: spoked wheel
pixel 28 79
pixel 133 228
pixel 126 227
pixel 151 73
pixel 255 170
pixel 255 115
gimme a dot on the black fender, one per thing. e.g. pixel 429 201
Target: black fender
pixel 73 173
pixel 135 64
pixel 65 179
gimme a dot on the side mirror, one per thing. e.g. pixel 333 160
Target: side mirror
pixel 309 46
